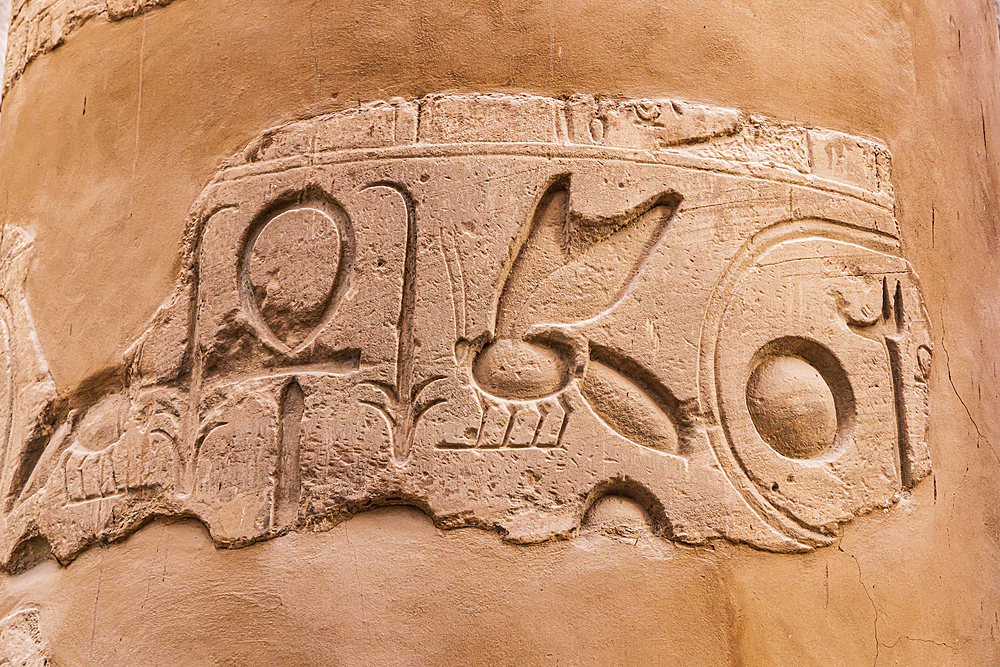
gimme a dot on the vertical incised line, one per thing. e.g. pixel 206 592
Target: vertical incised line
pixel 288 475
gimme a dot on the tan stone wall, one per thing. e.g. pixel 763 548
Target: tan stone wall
pixel 109 139
pixel 5 22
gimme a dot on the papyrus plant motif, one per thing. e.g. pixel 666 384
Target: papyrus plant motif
pixel 572 269
pixel 399 401
pixel 544 336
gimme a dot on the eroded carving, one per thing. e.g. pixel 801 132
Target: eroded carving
pixel 292 273
pixel 21 641
pixel 501 309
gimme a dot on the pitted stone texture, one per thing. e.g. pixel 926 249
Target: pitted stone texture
pixel 21 643
pixel 291 271
pixel 501 314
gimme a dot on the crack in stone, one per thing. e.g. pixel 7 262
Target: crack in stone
pixel 36 29
pixel 878 643
pixel 946 645
pixel 97 597
pixel 871 600
pixel 947 364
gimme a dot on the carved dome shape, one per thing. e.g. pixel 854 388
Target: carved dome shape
pixel 463 303
pixel 519 370
pixel 291 272
pixel 792 407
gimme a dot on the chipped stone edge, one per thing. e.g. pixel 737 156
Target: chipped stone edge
pixel 38 26
pixel 656 130
pixel 421 126
pixel 21 640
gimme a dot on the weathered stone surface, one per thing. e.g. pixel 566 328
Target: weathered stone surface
pixel 38 26
pixel 502 312
pixel 21 643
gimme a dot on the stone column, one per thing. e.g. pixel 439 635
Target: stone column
pixel 499 333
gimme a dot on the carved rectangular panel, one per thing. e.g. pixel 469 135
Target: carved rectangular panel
pixel 500 309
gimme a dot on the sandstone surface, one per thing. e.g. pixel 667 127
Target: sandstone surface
pixel 644 335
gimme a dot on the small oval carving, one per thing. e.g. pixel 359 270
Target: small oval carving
pixel 291 271
pixel 520 371
pixel 628 408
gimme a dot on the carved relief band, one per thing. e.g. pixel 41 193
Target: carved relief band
pixel 500 309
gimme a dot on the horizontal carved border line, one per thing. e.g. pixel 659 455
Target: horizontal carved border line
pixel 500 309
pixel 658 130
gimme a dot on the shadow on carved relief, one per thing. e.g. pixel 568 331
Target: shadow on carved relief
pixel 294 268
pixel 28 553
pixel 501 322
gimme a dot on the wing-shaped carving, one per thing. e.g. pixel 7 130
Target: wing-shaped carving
pixel 574 265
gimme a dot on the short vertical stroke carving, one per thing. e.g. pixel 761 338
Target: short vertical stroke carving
pixel 287 484
pixel 499 309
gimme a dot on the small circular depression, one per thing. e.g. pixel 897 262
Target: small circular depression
pixel 792 407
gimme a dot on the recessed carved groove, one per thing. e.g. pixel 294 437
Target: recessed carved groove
pixel 634 490
pixel 286 487
pixel 902 430
pixel 52 417
pixel 810 354
pixel 401 410
pixel 564 252
pixel 294 237
pixel 565 245
pixel 792 406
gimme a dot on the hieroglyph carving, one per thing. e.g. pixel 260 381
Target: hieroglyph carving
pixel 501 309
